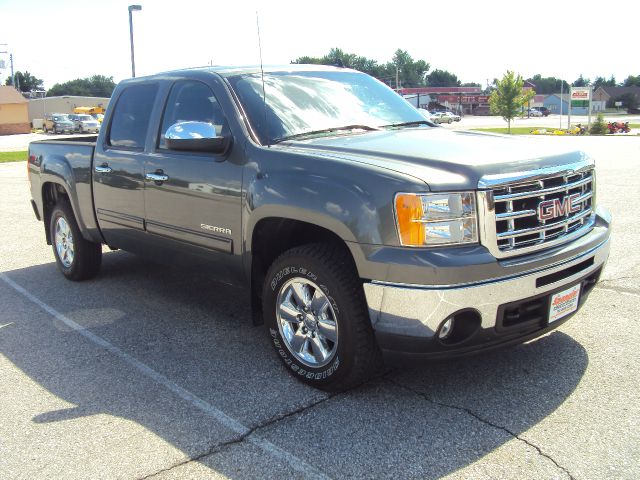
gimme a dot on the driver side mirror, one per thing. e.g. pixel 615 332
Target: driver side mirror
pixel 195 137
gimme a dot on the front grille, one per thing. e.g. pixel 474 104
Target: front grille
pixel 517 219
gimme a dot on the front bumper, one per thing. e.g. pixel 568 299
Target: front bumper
pixel 407 317
pixel 64 128
pixel 89 128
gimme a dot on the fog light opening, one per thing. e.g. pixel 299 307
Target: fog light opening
pixel 446 329
pixel 459 327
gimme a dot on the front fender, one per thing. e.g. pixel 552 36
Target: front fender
pixel 350 213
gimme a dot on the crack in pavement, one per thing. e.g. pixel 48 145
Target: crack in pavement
pixel 634 292
pixel 219 447
pixel 486 422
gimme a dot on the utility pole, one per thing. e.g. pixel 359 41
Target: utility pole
pixel 13 76
pixel 132 8
pixel 397 79
pixel 561 92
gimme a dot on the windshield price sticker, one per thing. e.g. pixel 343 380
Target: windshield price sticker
pixel 563 303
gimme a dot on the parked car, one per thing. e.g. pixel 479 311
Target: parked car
pixel 84 123
pixel 544 110
pixel 58 123
pixel 444 117
pixel 435 117
pixel 455 116
pixel 352 240
pixel 532 112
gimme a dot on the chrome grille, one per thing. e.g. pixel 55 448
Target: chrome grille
pixel 509 202
pixel 516 209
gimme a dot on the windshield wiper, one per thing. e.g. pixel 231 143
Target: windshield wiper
pixel 325 130
pixel 410 124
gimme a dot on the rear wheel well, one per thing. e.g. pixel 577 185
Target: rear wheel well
pixel 52 193
pixel 274 236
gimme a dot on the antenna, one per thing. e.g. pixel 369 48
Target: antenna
pixel 264 94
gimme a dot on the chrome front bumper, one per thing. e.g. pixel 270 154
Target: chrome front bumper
pixel 418 310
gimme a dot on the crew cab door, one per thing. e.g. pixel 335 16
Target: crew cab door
pixel 118 168
pixel 194 211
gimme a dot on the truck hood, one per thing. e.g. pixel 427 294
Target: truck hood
pixel 443 159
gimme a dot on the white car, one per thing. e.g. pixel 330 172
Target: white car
pixel 84 123
pixel 534 113
pixel 443 117
pixel 454 116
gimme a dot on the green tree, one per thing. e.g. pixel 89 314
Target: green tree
pixel 581 82
pixel 471 84
pixel 548 85
pixel 509 97
pixel 95 86
pixel 632 81
pixel 338 57
pixel 442 78
pixel 26 82
pixel 629 101
pixel 410 73
pixel 599 127
pixel 602 82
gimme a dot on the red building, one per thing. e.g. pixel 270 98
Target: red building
pixel 469 100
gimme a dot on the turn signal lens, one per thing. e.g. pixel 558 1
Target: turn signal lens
pixel 409 212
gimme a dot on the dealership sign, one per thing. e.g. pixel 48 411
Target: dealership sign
pixel 580 96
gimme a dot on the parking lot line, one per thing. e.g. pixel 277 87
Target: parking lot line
pixel 232 424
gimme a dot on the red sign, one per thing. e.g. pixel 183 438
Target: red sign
pixel 466 99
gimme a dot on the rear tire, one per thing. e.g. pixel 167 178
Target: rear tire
pixel 317 318
pixel 78 259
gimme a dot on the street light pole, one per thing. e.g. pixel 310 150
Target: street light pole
pixel 132 8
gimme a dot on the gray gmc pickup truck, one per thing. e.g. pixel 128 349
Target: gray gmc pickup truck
pixel 361 231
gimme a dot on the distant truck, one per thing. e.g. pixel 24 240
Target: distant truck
pixel 358 227
pixel 88 110
pixel 58 123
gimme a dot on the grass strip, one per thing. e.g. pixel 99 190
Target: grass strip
pixel 514 130
pixel 13 156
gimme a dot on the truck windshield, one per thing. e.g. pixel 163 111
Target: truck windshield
pixel 319 102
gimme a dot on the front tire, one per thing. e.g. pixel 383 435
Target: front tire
pixel 317 319
pixel 77 258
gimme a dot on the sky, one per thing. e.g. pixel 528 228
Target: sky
pixel 61 40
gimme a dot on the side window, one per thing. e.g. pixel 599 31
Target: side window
pixel 190 101
pixel 131 116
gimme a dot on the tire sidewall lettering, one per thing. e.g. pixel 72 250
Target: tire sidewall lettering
pixel 275 281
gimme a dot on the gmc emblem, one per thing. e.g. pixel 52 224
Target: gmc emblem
pixel 549 209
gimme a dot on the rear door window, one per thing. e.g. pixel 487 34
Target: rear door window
pixel 131 116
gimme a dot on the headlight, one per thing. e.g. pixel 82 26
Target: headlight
pixel 433 219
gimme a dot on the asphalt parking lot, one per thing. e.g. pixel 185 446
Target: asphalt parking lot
pixel 152 372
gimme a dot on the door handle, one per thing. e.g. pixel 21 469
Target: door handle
pixel 157 177
pixel 104 168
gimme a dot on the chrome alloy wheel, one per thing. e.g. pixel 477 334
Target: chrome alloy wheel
pixel 307 322
pixel 64 242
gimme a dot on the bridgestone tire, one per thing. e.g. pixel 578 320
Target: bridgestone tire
pixel 87 256
pixel 356 355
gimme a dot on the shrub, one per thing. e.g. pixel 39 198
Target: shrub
pixel 599 127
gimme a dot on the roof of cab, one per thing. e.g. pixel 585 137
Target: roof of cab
pixel 230 71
